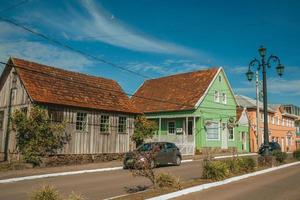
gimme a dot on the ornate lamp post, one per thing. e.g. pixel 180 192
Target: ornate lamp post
pixel 262 65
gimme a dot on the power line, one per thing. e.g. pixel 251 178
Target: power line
pixel 110 90
pixel 56 42
pixel 14 6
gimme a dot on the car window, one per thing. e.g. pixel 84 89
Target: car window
pixel 169 145
pixel 144 147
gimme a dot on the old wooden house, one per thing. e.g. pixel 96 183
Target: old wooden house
pixel 98 114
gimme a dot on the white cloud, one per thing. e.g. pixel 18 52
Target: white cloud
pixel 236 70
pixel 166 67
pixel 283 86
pixel 94 23
pixel 275 86
pixel 43 53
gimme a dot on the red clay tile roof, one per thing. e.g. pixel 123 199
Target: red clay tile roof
pixel 170 91
pixel 51 85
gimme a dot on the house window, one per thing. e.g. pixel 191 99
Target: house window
pixel 220 78
pixel 104 124
pixel 122 125
pixel 273 120
pixel 81 121
pixel 216 96
pixel 283 122
pixel 1 119
pixel 212 131
pixel 230 133
pixel 224 98
pixel 171 127
pixel 56 115
pixel 277 119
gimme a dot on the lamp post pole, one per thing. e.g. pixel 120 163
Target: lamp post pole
pixel 265 107
pixel 263 64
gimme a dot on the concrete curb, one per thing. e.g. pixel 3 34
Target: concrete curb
pixel 10 180
pixel 23 178
pixel 219 183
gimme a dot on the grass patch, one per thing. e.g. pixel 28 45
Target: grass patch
pixel 50 193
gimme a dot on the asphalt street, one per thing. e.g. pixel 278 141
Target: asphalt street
pixel 95 185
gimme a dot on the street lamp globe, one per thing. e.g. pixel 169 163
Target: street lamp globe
pixel 262 51
pixel 280 69
pixel 249 75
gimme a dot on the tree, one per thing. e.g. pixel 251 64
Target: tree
pixel 143 129
pixel 37 136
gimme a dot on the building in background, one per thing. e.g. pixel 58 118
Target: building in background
pixel 98 114
pixel 295 110
pixel 195 110
pixel 281 124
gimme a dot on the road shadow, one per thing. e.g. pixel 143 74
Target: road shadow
pixel 135 189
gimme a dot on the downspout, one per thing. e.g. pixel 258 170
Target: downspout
pixel 9 117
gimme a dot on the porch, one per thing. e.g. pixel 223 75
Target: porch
pixel 180 130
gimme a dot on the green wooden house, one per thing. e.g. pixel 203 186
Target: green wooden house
pixel 195 110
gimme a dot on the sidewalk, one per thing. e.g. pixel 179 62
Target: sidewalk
pixel 89 166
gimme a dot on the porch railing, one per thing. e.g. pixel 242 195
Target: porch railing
pixel 184 142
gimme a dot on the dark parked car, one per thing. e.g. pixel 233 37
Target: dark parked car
pixel 272 147
pixel 164 153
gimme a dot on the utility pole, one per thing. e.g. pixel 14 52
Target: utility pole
pixel 258 136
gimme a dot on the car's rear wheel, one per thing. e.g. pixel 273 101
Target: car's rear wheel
pixel 177 161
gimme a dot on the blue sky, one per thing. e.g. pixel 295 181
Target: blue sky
pixel 159 38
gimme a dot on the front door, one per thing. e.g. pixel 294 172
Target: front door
pixel 224 135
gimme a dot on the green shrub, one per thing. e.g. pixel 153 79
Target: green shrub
pixel 247 164
pixel 216 170
pixel 279 156
pixel 164 180
pixel 296 154
pixel 46 193
pixel 233 165
pixel 265 161
pixel 37 136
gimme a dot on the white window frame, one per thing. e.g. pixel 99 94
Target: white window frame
pixel 216 96
pixel 232 134
pixel 219 132
pixel 273 120
pixel 104 124
pixel 224 98
pixel 84 128
pixel 124 125
pixel 173 121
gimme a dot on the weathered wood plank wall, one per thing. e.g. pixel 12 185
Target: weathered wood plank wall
pixel 19 99
pixel 93 141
